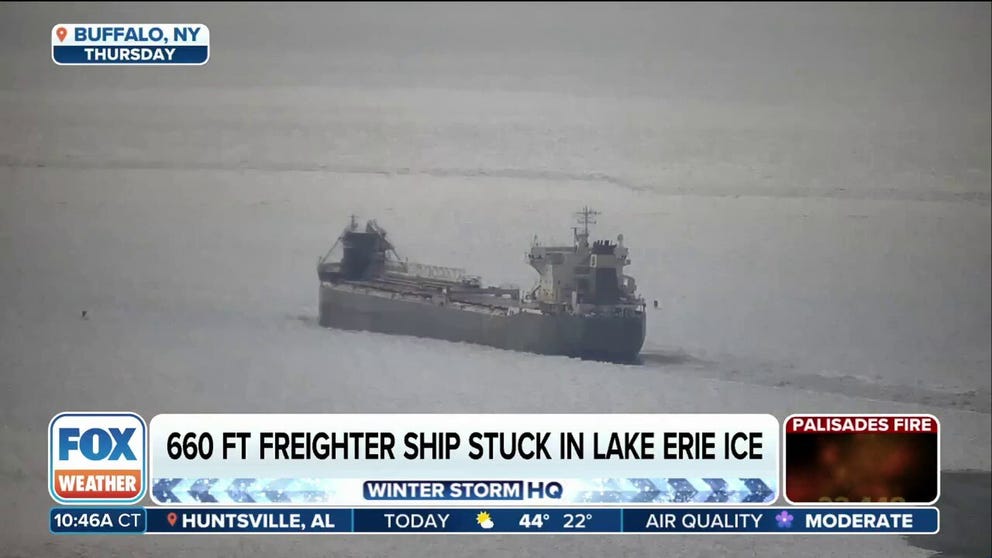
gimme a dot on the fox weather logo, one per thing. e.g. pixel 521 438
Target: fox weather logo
pixel 96 457
pixel 137 44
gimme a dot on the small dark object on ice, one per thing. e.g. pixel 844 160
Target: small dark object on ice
pixel 83 316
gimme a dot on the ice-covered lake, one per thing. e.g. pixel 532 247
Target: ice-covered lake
pixel 804 189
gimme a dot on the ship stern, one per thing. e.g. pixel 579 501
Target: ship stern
pixel 613 338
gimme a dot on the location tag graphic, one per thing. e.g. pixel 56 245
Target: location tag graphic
pixel 172 518
pixel 129 44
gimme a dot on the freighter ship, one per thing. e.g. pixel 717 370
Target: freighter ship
pixel 582 306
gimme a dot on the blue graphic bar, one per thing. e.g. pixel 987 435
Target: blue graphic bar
pixel 124 55
pixel 780 521
pixel 97 520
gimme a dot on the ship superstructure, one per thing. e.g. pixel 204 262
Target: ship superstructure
pixel 583 278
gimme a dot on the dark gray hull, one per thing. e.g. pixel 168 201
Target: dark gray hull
pixel 612 338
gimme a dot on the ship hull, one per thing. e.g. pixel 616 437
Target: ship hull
pixel 611 338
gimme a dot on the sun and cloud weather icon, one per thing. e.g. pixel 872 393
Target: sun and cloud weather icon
pixel 484 520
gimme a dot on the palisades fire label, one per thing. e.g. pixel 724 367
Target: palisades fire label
pixel 119 44
pixel 862 459
pixel 96 457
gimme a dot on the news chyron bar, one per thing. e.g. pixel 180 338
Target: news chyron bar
pixel 352 474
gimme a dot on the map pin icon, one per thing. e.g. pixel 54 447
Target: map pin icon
pixel 172 518
pixel 60 33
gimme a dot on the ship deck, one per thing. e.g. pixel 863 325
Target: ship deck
pixel 493 298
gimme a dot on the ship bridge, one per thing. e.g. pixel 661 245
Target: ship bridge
pixel 583 277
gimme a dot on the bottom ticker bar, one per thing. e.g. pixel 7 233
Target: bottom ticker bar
pixel 779 521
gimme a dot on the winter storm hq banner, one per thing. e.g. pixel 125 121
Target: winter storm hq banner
pixel 425 459
pixel 476 473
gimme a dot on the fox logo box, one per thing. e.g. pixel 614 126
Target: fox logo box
pixel 97 458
